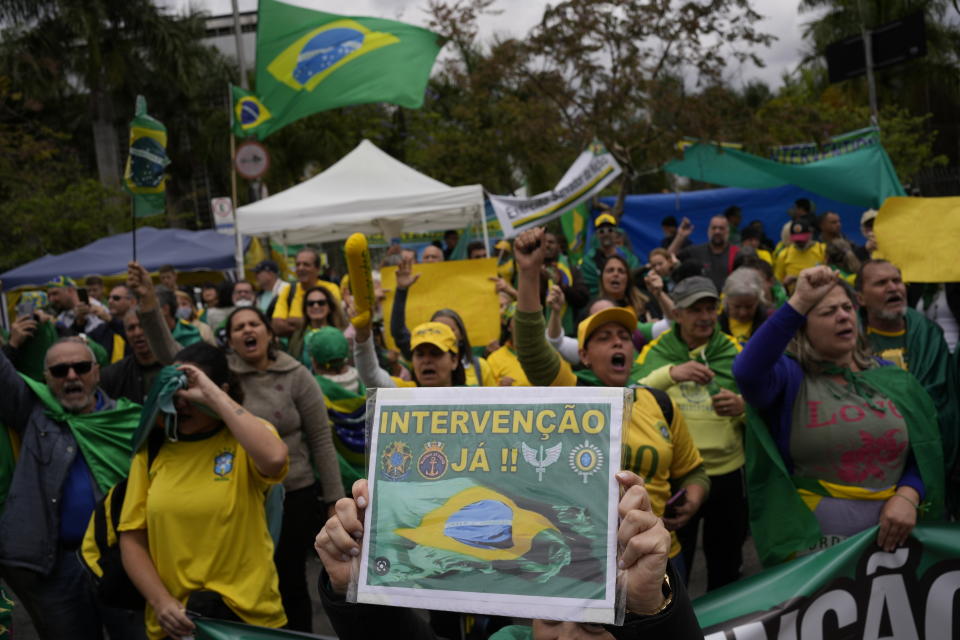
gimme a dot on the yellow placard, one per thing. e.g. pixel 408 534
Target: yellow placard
pixel 461 285
pixel 920 235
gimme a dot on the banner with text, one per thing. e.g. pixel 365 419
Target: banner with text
pixel 593 170
pixel 852 591
pixel 503 504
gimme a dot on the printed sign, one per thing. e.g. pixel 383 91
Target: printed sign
pixel 593 169
pixel 502 503
pixel 852 591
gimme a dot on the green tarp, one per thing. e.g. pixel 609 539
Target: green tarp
pixel 862 178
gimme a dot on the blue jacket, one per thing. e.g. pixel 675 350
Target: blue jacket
pixel 30 524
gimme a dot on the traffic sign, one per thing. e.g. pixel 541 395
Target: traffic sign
pixel 252 160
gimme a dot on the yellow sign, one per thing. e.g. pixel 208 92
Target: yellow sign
pixel 919 235
pixel 461 285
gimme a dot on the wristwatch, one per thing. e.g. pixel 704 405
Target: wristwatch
pixel 667 591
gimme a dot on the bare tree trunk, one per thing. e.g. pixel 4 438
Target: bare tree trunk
pixel 106 144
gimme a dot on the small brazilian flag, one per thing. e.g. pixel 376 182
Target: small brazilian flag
pixel 310 61
pixel 144 175
pixel 449 530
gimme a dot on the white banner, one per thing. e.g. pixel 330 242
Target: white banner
pixel 593 170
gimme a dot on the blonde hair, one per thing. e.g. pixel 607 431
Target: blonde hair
pixel 812 362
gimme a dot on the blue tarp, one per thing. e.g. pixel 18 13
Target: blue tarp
pixel 643 213
pixel 185 250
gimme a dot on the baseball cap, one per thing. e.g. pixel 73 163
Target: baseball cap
pixel 867 216
pixel 623 316
pixel 801 231
pixel 327 346
pixel 690 290
pixel 605 218
pixel 435 333
pixel 267 265
pixel 62 281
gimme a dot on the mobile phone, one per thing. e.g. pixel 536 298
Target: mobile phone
pixel 676 500
pixel 25 309
pixel 83 295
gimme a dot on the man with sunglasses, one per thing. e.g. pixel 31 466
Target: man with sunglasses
pixel 61 472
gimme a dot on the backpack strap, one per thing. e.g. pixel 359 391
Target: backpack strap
pixel 663 401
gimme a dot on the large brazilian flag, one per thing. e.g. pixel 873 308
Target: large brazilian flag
pixel 310 61
pixel 441 533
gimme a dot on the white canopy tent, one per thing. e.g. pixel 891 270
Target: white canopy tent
pixel 366 191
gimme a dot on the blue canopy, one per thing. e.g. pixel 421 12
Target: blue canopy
pixel 642 213
pixel 185 250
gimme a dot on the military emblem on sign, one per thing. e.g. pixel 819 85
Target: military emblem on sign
pixel 541 459
pixel 433 461
pixel 586 459
pixel 395 460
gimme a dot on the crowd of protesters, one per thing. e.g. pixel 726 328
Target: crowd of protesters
pixel 794 390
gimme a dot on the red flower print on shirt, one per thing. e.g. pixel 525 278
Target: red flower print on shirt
pixel 874 459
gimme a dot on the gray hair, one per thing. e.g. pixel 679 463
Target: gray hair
pixel 745 282
pixel 70 340
pixel 811 361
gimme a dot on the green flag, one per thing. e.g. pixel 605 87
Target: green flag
pixel 310 61
pixel 574 224
pixel 144 175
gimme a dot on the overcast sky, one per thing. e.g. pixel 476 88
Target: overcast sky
pixel 518 16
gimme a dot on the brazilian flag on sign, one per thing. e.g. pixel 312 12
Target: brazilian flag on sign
pixel 310 61
pixel 144 175
pixel 441 533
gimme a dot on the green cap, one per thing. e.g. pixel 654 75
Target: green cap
pixel 327 346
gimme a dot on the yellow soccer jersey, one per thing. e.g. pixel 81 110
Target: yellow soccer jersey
pixel 486 375
pixel 658 452
pixel 203 508
pixel 295 308
pixel 504 364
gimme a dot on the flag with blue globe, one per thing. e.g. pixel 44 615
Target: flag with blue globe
pixel 144 177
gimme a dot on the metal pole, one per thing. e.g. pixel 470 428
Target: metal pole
pixel 237 34
pixel 238 246
pixel 868 59
pixel 486 235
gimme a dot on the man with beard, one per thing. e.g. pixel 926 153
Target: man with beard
pixel 607 234
pixel 74 438
pixel 73 316
pixel 132 377
pixel 907 338
pixel 716 255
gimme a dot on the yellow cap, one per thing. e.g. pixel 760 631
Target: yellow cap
pixel 605 218
pixel 623 316
pixel 435 333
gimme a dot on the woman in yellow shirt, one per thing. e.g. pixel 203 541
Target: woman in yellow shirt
pixel 193 527
pixel 745 304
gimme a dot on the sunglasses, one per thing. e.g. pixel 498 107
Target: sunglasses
pixel 62 370
pixel 316 303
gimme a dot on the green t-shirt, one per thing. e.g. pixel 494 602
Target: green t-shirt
pixel 890 346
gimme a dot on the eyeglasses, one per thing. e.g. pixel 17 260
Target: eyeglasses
pixel 316 303
pixel 62 370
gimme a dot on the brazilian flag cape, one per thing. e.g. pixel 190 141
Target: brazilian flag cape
pixel 185 333
pixel 441 533
pixel 668 348
pixel 930 363
pixel 104 437
pixel 347 411
pixel 781 524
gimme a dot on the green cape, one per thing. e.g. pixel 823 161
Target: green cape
pixel 185 333
pixel 669 348
pixel 104 437
pixel 781 524
pixel 342 406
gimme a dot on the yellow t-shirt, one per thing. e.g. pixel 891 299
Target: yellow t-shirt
pixel 295 309
pixel 203 508
pixel 791 261
pixel 651 449
pixel 504 363
pixel 658 452
pixel 740 330
pixel 486 375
